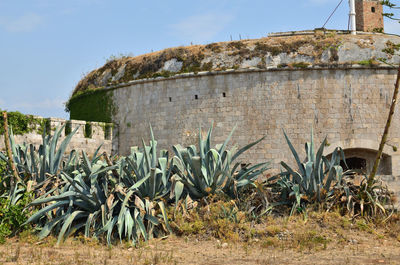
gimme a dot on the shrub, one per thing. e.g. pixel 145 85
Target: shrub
pixel 215 216
pixel 13 216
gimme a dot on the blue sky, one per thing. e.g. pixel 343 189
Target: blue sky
pixel 47 46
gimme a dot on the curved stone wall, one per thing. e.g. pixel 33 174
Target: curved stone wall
pixel 348 105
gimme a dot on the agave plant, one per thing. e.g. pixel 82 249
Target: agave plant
pixel 143 164
pixel 36 167
pixel 108 200
pixel 208 170
pixel 368 200
pixel 315 180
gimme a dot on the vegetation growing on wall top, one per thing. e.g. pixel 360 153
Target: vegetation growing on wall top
pixel 192 58
pixel 22 124
pixel 92 103
pixel 391 48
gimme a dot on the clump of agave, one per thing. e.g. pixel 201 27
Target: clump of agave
pixel 322 180
pixel 36 167
pixel 316 180
pixel 121 200
pixel 206 170
pixel 125 199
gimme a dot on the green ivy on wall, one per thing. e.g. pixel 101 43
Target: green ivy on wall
pixel 22 124
pixel 91 105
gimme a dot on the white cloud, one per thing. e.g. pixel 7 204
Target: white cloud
pixel 45 104
pixel 392 26
pixel 201 28
pixel 25 23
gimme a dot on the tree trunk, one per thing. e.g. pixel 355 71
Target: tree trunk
pixel 9 153
pixel 371 177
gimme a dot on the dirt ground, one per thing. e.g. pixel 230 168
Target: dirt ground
pixel 317 238
pixel 360 248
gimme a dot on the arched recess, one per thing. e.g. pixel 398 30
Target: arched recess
pixel 362 160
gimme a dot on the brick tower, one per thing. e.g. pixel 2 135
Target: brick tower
pixel 369 15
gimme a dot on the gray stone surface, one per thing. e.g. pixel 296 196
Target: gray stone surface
pixel 253 62
pixel 316 50
pixel 78 141
pixel 172 65
pixel 105 77
pixel 349 106
pixel 119 74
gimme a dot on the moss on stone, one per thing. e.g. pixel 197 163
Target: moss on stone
pixel 391 48
pixel 300 65
pixel 370 62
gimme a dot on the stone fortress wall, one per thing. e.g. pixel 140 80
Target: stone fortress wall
pixel 97 134
pixel 335 83
pixel 343 93
pixel 349 106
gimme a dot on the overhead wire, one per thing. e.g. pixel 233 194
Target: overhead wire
pixel 326 22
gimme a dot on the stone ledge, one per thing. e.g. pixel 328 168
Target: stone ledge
pixel 314 31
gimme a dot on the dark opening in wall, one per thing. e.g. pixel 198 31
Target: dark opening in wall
pixel 196 97
pixel 362 160
pixel 356 164
pixel 373 9
pixel 88 130
pixel 170 99
pixel 224 94
pixel 68 128
pixel 107 132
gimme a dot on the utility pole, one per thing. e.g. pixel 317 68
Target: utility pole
pixel 352 15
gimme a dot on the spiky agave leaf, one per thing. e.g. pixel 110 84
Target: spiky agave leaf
pixel 316 179
pixel 211 170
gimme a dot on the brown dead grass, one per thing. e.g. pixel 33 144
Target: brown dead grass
pixel 147 65
pixel 319 238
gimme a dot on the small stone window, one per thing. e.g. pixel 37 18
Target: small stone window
pixel 373 9
pixel 196 97
pixel 224 94
pixel 170 99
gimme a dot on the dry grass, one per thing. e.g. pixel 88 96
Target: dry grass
pixel 148 65
pixel 318 238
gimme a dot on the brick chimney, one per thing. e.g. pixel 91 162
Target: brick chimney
pixel 369 15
